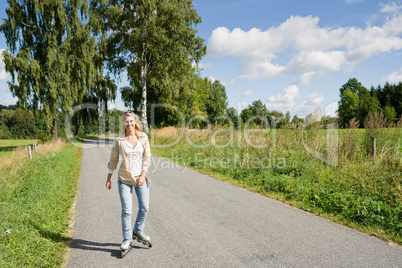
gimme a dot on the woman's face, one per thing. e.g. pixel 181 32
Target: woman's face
pixel 129 123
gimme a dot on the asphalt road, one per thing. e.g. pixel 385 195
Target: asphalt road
pixel 198 221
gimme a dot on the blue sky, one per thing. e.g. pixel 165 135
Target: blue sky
pixel 292 55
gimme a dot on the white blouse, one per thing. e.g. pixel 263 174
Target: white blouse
pixel 134 156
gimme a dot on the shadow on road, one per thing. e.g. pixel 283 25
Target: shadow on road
pixel 94 246
pixel 98 141
pixel 104 247
pixel 89 143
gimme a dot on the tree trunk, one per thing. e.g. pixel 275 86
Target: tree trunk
pixel 54 129
pixel 144 70
pixel 77 127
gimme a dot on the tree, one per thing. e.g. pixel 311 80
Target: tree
pixel 348 106
pixel 233 116
pixel 353 85
pixel 284 120
pixel 367 103
pixel 246 114
pixel 277 119
pixel 398 99
pixel 297 120
pixel 313 119
pixel 256 114
pixel 391 95
pixel 154 41
pixel 22 124
pixel 6 116
pixel 9 107
pixel 349 103
pixel 51 55
pixel 216 102
pixel 390 114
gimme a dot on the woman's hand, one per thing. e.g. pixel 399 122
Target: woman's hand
pixel 108 185
pixel 141 180
pixel 109 181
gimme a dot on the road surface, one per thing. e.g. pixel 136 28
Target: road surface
pixel 198 221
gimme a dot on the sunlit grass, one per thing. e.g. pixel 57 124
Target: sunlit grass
pixel 356 189
pixel 35 198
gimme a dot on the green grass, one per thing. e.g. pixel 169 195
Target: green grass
pixel 34 204
pixel 360 191
pixel 6 146
pixel 14 143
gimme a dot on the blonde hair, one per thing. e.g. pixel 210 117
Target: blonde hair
pixel 138 125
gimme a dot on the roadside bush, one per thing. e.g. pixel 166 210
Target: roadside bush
pixel 387 135
pixel 350 140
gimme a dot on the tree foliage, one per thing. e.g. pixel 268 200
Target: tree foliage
pixel 199 102
pixel 17 124
pixel 216 102
pixel 357 102
pixel 257 114
pixel 155 42
pixel 348 106
pixel 51 55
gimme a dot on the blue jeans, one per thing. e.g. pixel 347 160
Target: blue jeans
pixel 126 199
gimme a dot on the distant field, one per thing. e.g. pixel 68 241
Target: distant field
pixel 6 146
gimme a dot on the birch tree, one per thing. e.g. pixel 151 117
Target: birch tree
pixel 155 42
pixel 50 56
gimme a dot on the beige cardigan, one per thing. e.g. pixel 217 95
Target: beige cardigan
pixel 124 174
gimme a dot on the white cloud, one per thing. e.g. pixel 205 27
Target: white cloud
pixel 3 73
pixel 393 78
pixel 204 65
pixel 6 97
pixel 290 94
pixel 286 101
pixel 212 78
pixel 314 99
pixel 201 65
pixel 390 8
pixel 228 83
pixel 307 78
pixel 247 93
pixel 314 50
pixel 241 105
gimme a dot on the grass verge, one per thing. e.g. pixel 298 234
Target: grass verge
pixel 360 191
pixel 35 198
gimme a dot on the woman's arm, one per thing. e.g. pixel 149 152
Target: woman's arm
pixel 114 159
pixel 141 179
pixel 109 181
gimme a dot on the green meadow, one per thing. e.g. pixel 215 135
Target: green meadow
pixel 329 173
pixel 6 146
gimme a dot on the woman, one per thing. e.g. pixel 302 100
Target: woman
pixel 133 147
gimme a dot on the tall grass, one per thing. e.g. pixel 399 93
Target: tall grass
pixel 7 146
pixel 355 190
pixel 35 198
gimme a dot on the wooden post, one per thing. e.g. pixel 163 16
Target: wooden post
pixel 373 146
pixel 29 152
pixel 34 147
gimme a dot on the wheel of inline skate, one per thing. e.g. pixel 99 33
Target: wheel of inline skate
pixel 149 245
pixel 123 253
